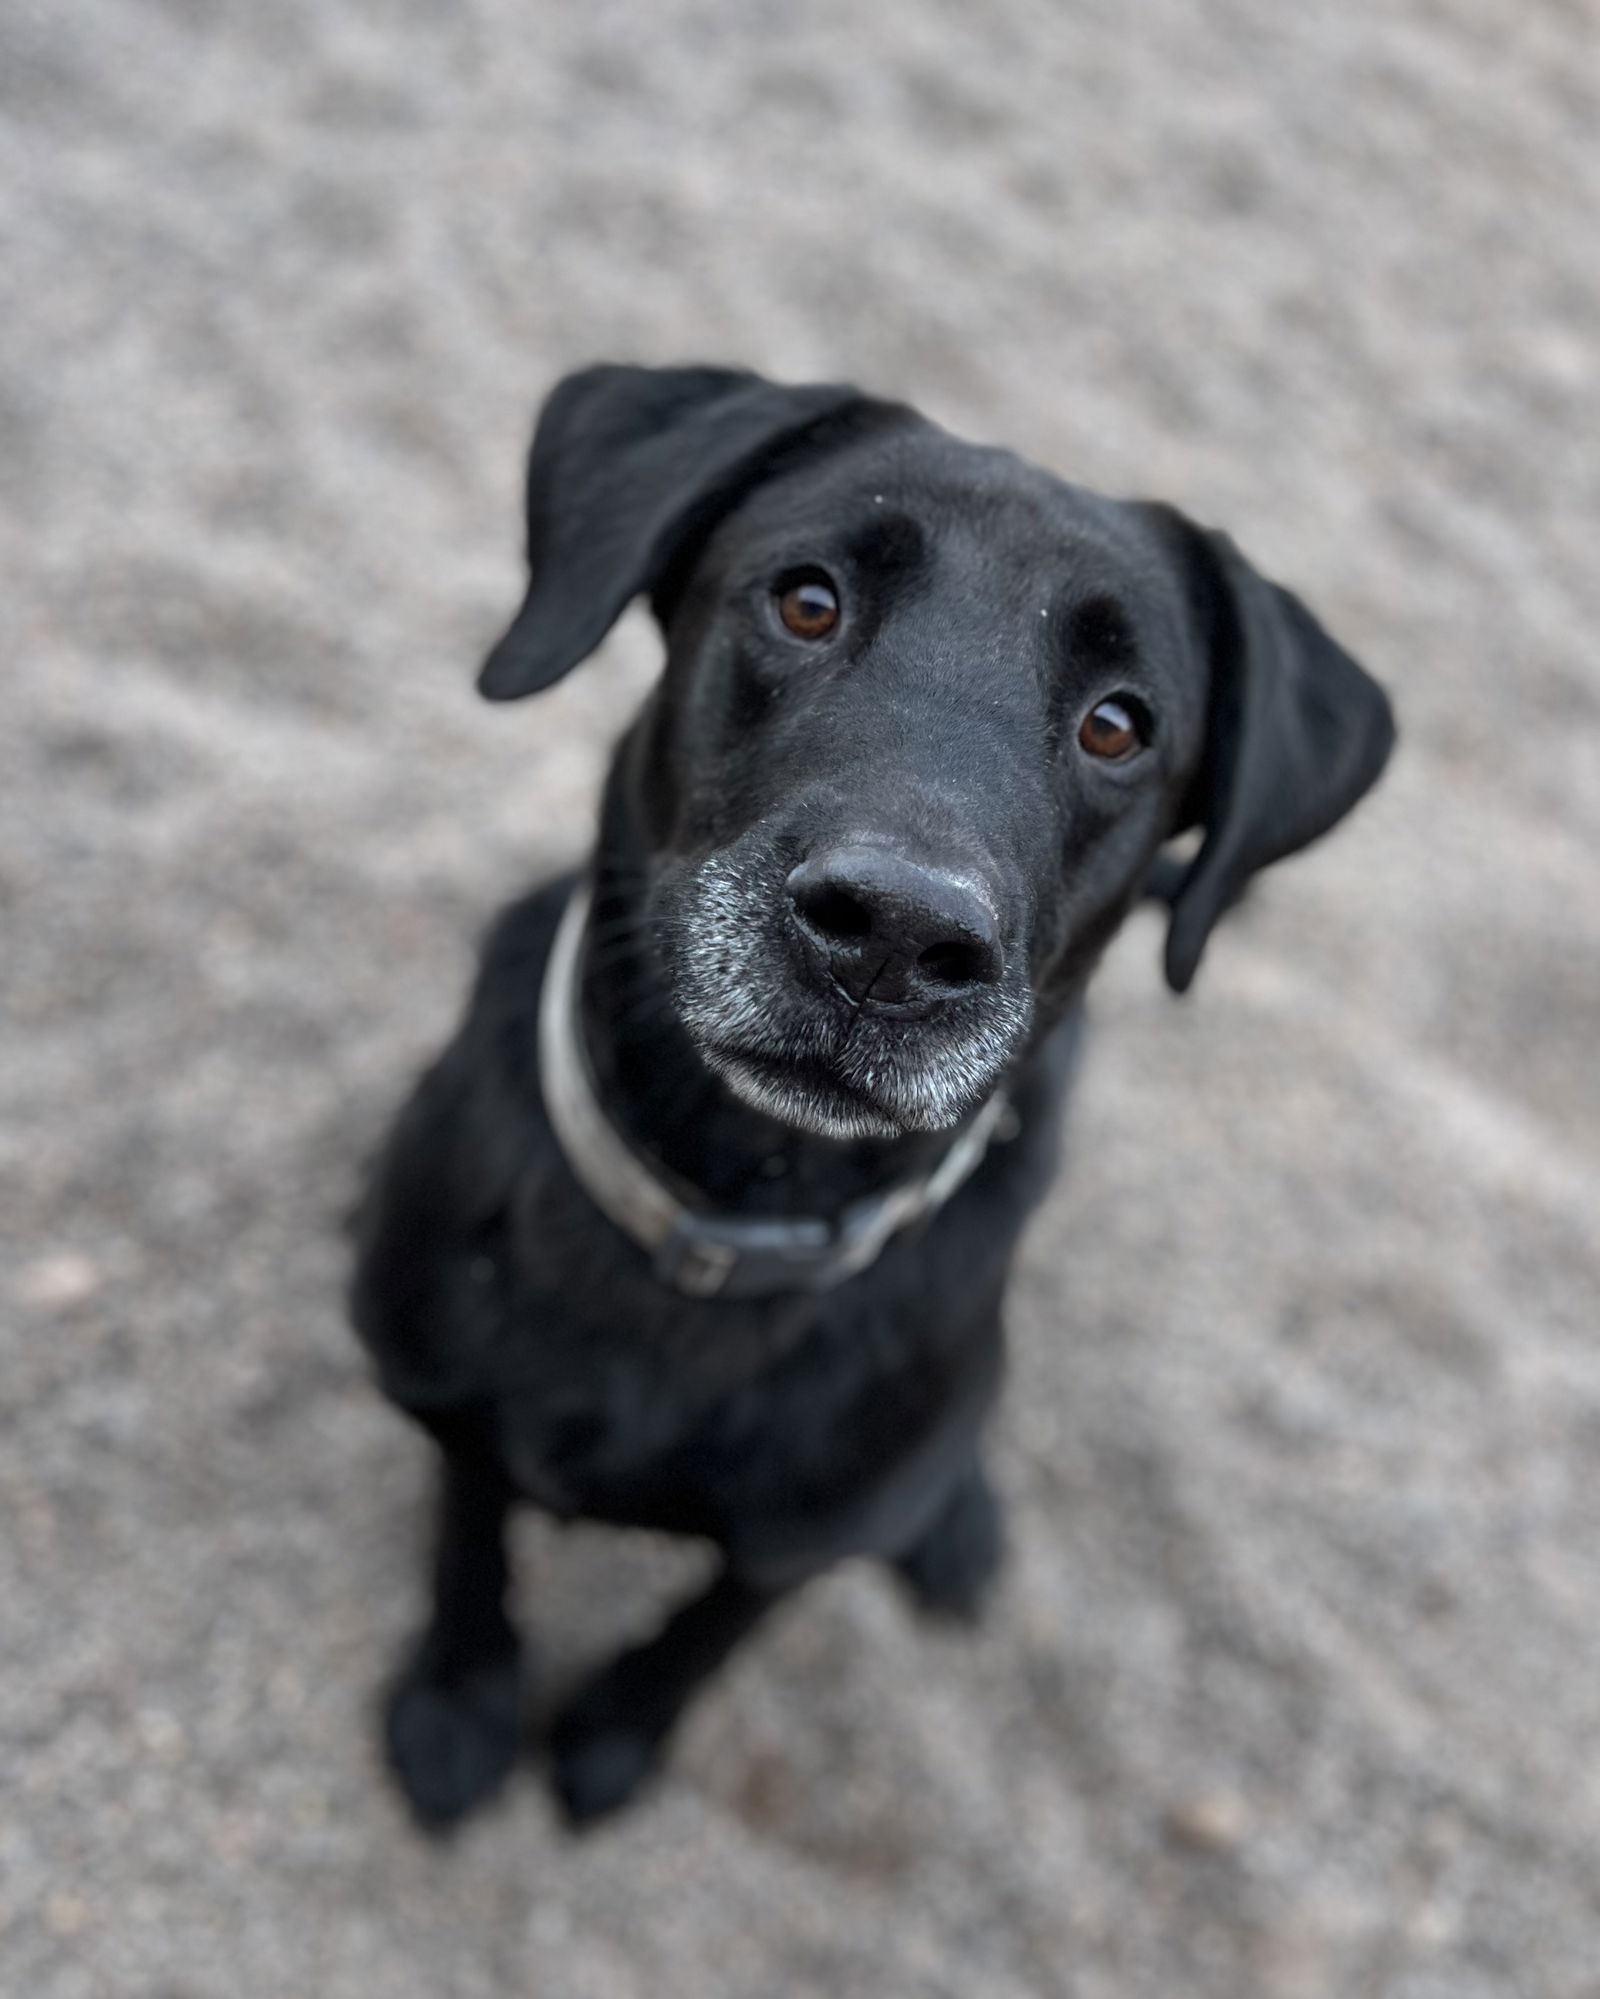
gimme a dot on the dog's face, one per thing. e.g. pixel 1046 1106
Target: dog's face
pixel 927 716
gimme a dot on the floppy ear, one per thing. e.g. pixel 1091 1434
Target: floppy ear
pixel 1296 733
pixel 628 466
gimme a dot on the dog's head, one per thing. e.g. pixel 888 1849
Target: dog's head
pixel 927 716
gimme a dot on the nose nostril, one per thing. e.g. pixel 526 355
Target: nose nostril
pixel 891 930
pixel 835 912
pixel 953 963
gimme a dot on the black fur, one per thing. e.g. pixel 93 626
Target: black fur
pixel 985 608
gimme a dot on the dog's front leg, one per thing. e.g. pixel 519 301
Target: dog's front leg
pixel 454 1718
pixel 950 1567
pixel 610 1736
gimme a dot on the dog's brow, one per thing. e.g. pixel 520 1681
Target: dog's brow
pixel 888 541
pixel 1099 626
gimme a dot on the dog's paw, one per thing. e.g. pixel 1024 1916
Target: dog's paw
pixel 453 1738
pixel 595 1775
pixel 600 1754
pixel 952 1568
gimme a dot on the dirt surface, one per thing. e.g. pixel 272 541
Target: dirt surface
pixel 1292 1689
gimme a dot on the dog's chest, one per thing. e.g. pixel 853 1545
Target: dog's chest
pixel 620 1398
pixel 824 1440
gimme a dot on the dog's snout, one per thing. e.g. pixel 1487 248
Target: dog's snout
pixel 893 931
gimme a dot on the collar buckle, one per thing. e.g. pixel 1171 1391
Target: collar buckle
pixel 693 1264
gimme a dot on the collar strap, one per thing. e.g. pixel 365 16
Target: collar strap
pixel 700 1252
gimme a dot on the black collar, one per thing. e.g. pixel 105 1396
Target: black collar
pixel 697 1250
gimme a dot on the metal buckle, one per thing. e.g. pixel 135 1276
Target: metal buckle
pixel 716 1257
pixel 694 1266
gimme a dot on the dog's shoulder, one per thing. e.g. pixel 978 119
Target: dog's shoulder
pixel 428 1293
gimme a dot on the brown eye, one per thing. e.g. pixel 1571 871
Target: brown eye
pixel 1109 730
pixel 809 608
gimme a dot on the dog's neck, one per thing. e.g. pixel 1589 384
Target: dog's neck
pixel 655 1086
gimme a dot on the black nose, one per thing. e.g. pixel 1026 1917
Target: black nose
pixel 892 931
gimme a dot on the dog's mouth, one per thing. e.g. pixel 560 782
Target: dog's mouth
pixel 802 1093
pixel 796 1047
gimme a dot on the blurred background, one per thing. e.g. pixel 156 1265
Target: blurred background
pixel 1291 1688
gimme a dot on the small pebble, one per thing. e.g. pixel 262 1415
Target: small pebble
pixel 1216 1823
pixel 65 1915
pixel 54 1281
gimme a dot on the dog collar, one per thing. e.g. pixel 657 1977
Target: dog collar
pixel 698 1251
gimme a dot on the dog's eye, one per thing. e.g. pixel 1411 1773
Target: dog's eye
pixel 1112 731
pixel 809 607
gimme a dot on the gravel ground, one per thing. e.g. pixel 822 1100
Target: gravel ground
pixel 1292 1687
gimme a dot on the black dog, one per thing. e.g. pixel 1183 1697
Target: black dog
pixel 703 1220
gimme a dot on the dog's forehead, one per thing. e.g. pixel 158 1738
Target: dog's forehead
pixel 992 504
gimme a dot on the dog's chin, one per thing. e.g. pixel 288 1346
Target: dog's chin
pixel 810 1100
